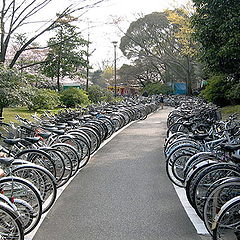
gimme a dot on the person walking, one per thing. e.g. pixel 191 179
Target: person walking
pixel 161 100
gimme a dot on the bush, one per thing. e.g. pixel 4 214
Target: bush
pixel 97 94
pixel 72 97
pixel 43 99
pixel 157 88
pixel 233 94
pixel 216 90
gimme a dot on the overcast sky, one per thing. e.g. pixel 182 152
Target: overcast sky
pixel 104 33
pixel 101 32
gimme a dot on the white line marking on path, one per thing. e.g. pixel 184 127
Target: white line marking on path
pixel 196 221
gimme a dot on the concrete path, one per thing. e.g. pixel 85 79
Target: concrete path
pixel 123 193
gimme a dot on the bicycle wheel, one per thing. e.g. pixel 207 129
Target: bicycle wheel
pixel 25 212
pixel 58 160
pixel 208 177
pixel 192 177
pixel 177 127
pixel 95 140
pixel 172 138
pixel 109 124
pixel 226 225
pixel 217 195
pixel 183 149
pixel 10 223
pixel 178 166
pixel 71 141
pixel 72 154
pixel 195 159
pixel 68 171
pixel 38 157
pixel 42 179
pixel 180 141
pixel 85 147
pixel 15 187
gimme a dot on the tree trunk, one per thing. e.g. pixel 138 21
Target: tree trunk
pixel 188 79
pixel 1 111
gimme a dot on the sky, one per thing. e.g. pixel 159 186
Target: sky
pixel 96 23
pixel 105 33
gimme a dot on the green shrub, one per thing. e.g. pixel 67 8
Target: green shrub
pixel 216 90
pixel 157 88
pixel 97 94
pixel 233 94
pixel 73 97
pixel 43 99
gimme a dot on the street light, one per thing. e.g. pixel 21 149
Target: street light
pixel 115 68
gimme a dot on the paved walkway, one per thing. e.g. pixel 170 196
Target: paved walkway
pixel 123 193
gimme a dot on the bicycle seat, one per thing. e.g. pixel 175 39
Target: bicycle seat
pixel 230 147
pixel 50 129
pixel 61 127
pixel 94 113
pixel 44 135
pixel 87 116
pixel 12 141
pixel 73 122
pixel 6 161
pixel 32 139
pixel 48 125
pixel 59 132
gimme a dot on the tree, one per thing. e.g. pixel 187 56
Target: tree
pixel 180 19
pixel 152 43
pixel 16 14
pixel 66 53
pixel 97 94
pixel 107 75
pixel 216 25
pixel 157 88
pixel 96 78
pixel 13 85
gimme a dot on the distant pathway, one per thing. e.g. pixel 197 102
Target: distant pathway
pixel 123 193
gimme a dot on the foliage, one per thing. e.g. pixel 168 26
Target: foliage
pixel 13 87
pixel 157 88
pixel 128 74
pixel 96 78
pixel 97 94
pixel 180 18
pixel 160 48
pixel 72 97
pixel 216 24
pixel 66 53
pixel 216 90
pixel 43 99
pixel 233 94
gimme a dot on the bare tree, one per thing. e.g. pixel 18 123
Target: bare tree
pixel 14 14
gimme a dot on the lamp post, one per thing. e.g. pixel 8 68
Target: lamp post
pixel 115 68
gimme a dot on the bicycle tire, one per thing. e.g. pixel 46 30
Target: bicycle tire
pixel 9 185
pixel 10 217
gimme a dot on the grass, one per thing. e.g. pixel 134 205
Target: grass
pixel 10 113
pixel 228 110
